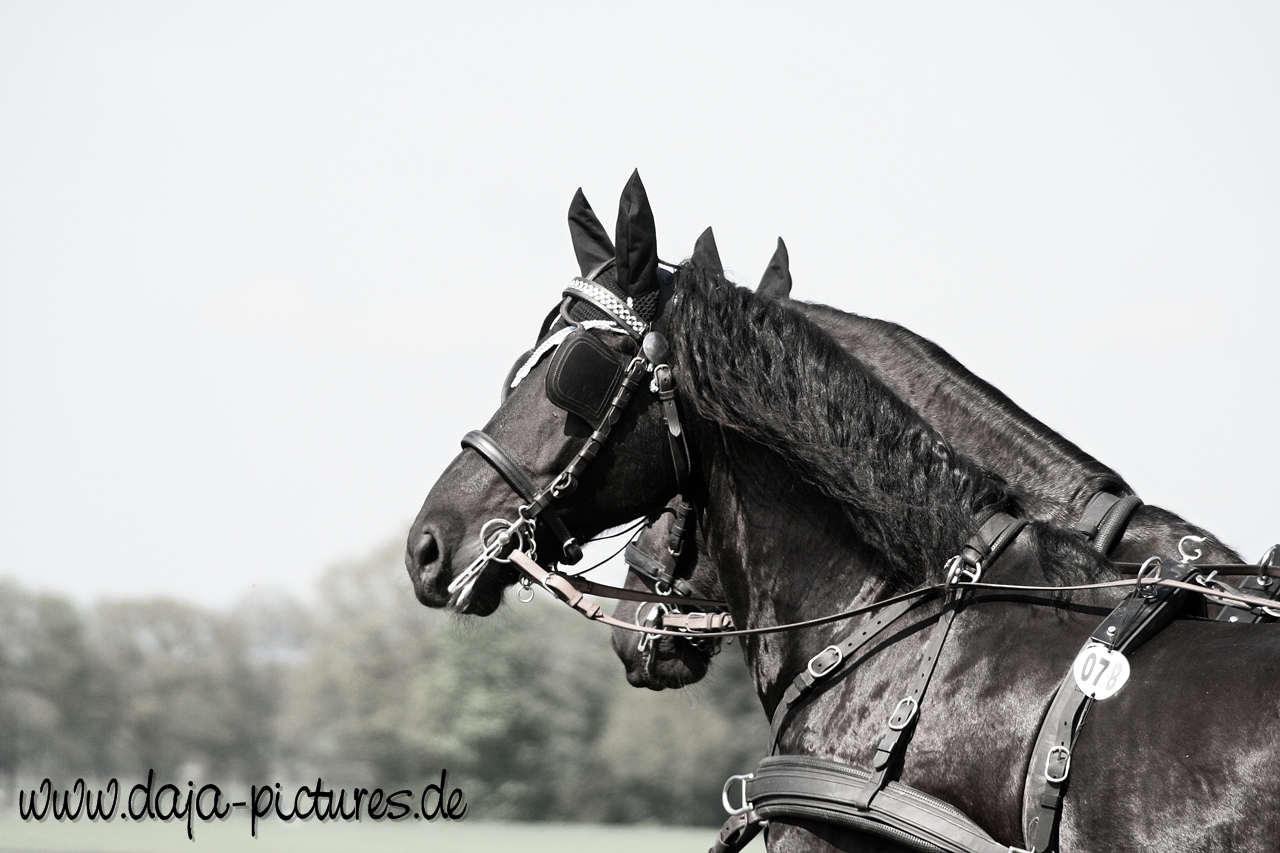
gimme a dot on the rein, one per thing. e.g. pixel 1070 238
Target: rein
pixel 556 584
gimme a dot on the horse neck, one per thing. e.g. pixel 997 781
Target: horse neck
pixel 785 553
pixel 1057 478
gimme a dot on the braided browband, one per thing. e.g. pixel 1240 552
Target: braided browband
pixel 608 302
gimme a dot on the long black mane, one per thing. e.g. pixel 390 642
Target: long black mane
pixel 1010 424
pixel 762 371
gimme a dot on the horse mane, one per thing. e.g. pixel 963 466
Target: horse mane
pixel 1097 476
pixel 759 369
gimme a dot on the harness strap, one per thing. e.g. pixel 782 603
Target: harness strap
pixel 1136 619
pixel 737 832
pixel 994 534
pixel 1258 584
pixel 829 660
pixel 492 452
pixel 900 724
pixel 665 384
pixel 810 788
pixel 1105 518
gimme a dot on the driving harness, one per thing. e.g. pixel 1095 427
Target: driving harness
pixel 812 788
pixel 594 382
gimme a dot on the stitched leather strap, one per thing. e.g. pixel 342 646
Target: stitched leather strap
pixel 737 832
pixel 811 788
pixel 1105 519
pixel 902 720
pixel 995 533
pixel 492 452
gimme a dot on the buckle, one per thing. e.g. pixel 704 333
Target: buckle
pixel 818 669
pixel 958 570
pixel 913 708
pixel 743 778
pixel 1066 765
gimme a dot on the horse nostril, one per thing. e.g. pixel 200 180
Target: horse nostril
pixel 425 552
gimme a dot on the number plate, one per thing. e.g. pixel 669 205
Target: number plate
pixel 1100 672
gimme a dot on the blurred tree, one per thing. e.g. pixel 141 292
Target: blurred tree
pixel 527 709
pixel 58 702
pixel 191 693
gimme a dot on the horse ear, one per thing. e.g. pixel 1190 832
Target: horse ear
pixel 776 281
pixel 705 253
pixel 591 242
pixel 637 240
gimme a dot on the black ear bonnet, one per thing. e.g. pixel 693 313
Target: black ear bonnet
pixel 621 287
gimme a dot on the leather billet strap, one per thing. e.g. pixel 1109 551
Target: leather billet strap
pixel 819 789
pixel 1105 519
pixel 832 659
pixel 1137 618
pixel 665 384
pixel 902 721
pixel 995 533
pixel 492 452
pixel 737 832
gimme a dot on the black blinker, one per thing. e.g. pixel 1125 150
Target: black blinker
pixel 584 375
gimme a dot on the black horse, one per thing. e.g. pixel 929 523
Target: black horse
pixel 821 490
pixel 1055 479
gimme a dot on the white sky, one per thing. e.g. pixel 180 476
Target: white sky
pixel 261 266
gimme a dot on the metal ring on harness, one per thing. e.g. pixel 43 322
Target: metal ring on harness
pixel 1182 551
pixel 744 778
pixel 1148 574
pixel 499 556
pixel 525 586
pixel 650 620
pixel 957 569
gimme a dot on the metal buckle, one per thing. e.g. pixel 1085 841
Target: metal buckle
pixel 914 708
pixel 819 673
pixel 958 570
pixel 724 793
pixel 1066 766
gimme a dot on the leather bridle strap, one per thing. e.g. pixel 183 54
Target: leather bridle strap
pixel 492 452
pixel 654 571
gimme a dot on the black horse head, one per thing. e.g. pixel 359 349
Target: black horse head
pixel 558 410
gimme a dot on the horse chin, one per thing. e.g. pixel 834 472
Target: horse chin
pixel 484 594
pixel 678 664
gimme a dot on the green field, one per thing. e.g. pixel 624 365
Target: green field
pixel 17 836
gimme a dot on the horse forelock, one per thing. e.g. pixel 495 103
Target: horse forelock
pixel 766 373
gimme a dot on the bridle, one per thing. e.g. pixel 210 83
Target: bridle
pixel 593 381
